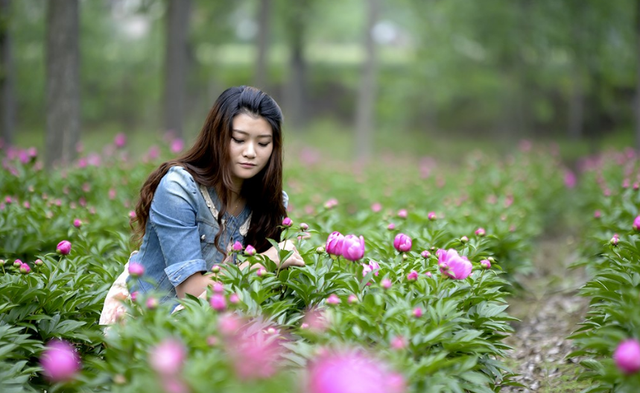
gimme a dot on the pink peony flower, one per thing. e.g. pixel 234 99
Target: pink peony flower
pixel 287 222
pixel 353 247
pixel 615 240
pixel 413 276
pixel 597 214
pixel 636 223
pixel 391 226
pixel 334 243
pixel 485 263
pixel 168 357
pixel 331 203
pixel 376 207
pixel 352 299
pixel 431 216
pixel 177 145
pixel 333 299
pixel 234 298
pixel 261 271
pixel 250 251
pixel 254 352
pixel 398 342
pixel 59 361
pixel 402 242
pixel 64 247
pixel 385 283
pixel 627 356
pixel 218 302
pixel 373 266
pixel 304 226
pixel 351 371
pixel 77 223
pixel 136 269
pixel 453 265
pixel 480 232
pixel 402 213
pixel 425 254
pixel 218 287
pixel 152 303
pixel 120 140
pixel 24 268
pixel 228 323
pixel 569 179
pixel 417 312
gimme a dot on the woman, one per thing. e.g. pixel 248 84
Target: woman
pixel 226 188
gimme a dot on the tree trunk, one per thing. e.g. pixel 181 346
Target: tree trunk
pixel 62 82
pixel 176 55
pixel 296 85
pixel 7 97
pixel 264 25
pixel 637 103
pixel 365 112
pixel 576 107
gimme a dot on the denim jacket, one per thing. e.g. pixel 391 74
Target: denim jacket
pixel 180 233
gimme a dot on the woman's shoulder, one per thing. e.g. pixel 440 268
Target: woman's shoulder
pixel 178 176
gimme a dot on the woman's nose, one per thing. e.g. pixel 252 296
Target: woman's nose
pixel 249 150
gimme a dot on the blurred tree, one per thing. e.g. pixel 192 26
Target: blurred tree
pixel 176 65
pixel 264 26
pixel 63 82
pixel 7 98
pixel 365 115
pixel 296 16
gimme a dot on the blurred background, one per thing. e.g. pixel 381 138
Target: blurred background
pixel 355 78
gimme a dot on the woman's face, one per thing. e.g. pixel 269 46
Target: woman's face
pixel 251 146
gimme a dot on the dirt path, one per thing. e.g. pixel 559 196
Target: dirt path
pixel 549 310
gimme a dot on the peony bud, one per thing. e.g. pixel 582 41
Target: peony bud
pixel 261 271
pixel 464 239
pixel 614 240
pixel 352 299
pixel 152 303
pixel 77 223
pixel 333 299
pixel 234 298
pixel 597 214
pixel 250 251
pixel 428 274
pixel 218 302
pixel 134 296
pixel 627 356
pixel 287 222
pixel 636 223
pixel 218 287
pixel 425 254
pixel 398 342
pixel 64 247
pixel 385 283
pixel 17 263
pixel 215 269
pixel 237 246
pixel 480 232
pixel 391 226
pixel 417 312
pixel 135 269
pixel 25 269
pixel 168 357
pixel 402 213
pixel 304 226
pixel 320 250
pixel 485 263
pixel 413 276
pixel 402 242
pixel 431 216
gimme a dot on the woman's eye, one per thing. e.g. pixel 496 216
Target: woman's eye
pixel 236 140
pixel 264 144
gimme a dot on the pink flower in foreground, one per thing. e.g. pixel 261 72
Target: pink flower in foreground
pixel 353 247
pixel 627 356
pixel 59 361
pixel 136 269
pixel 636 223
pixel 315 321
pixel 218 302
pixel 334 243
pixel 402 242
pixel 168 357
pixel 255 353
pixel 64 247
pixel 351 371
pixel 453 265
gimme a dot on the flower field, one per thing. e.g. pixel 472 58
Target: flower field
pixel 410 264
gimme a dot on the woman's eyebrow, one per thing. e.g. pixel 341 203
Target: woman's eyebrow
pixel 259 136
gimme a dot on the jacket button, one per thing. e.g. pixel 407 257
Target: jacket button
pixel 202 237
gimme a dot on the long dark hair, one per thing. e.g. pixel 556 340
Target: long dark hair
pixel 208 161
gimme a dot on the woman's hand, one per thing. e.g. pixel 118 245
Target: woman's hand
pixel 294 259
